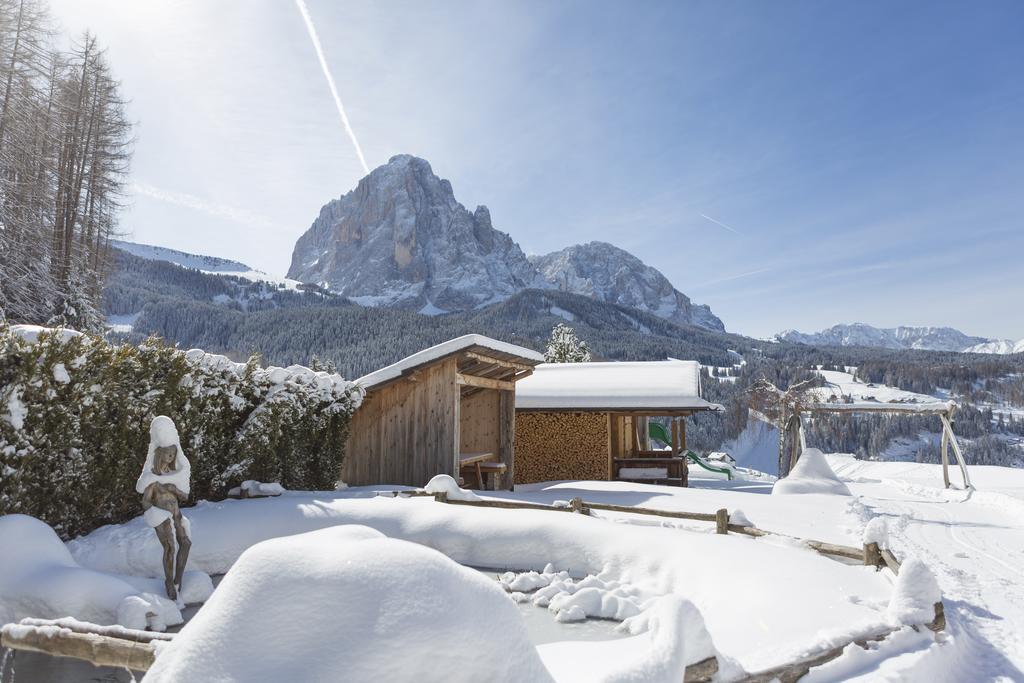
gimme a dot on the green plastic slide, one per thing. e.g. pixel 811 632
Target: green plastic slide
pixel 656 430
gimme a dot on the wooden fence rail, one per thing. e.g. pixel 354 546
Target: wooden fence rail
pixel 100 650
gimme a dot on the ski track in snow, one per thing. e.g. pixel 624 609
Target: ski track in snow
pixel 981 590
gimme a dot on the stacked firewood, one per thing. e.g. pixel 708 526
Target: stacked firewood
pixel 552 446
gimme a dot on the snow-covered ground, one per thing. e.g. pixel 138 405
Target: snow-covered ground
pixel 763 601
pixel 840 384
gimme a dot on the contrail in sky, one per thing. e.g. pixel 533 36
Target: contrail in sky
pixel 198 204
pixel 720 224
pixel 330 82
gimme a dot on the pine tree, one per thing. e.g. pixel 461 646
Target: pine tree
pixel 565 347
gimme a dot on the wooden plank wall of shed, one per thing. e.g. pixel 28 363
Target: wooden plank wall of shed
pixel 623 436
pixel 487 420
pixel 481 429
pixel 407 432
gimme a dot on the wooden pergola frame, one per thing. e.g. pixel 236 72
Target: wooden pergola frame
pixel 944 411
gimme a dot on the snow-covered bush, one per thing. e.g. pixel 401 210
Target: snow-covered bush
pixel 75 410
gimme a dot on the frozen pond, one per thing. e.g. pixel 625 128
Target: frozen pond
pixel 542 627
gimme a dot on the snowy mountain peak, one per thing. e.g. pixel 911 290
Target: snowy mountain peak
pixel 902 337
pixel 605 272
pixel 400 238
pixel 999 346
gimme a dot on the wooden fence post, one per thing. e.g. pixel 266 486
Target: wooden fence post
pixel 873 555
pixel 722 521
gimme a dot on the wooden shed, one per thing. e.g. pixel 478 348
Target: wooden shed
pixel 436 411
pixel 590 421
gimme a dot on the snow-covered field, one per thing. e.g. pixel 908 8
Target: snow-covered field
pixel 762 601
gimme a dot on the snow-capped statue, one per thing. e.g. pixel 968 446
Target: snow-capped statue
pixel 164 485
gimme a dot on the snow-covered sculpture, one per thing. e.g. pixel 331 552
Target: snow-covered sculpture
pixel 164 485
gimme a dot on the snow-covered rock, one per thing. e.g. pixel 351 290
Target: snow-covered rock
pixel 400 238
pixel 347 603
pixel 607 273
pixel 860 334
pixel 811 474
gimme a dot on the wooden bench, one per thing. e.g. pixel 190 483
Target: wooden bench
pixel 479 465
pixel 675 469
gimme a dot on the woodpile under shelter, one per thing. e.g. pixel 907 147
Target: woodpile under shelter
pixel 591 421
pixel 444 410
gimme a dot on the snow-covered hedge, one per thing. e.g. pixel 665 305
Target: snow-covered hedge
pixel 75 413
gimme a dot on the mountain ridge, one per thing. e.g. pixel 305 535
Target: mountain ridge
pixel 901 337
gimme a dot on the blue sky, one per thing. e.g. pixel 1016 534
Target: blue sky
pixel 867 158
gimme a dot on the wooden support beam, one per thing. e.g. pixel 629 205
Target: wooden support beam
pixel 484 382
pixel 491 360
pixel 948 427
pixel 890 560
pixel 945 457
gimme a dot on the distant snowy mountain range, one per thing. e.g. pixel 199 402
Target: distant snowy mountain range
pixel 921 338
pixel 401 239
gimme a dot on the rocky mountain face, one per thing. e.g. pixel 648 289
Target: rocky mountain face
pixel 604 272
pixel 401 239
pixel 859 334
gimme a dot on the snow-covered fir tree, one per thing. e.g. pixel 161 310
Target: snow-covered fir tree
pixel 565 347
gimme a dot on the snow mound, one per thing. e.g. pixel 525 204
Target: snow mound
pixel 739 517
pixel 255 489
pixel 31 333
pixel 876 531
pixel 812 474
pixel 914 595
pixel 672 635
pixel 443 483
pixel 348 603
pixel 39 578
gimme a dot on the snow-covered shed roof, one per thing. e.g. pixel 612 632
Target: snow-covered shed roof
pixel 467 342
pixel 662 385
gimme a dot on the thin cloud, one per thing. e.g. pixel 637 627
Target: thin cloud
pixel 330 82
pixel 721 224
pixel 735 277
pixel 189 201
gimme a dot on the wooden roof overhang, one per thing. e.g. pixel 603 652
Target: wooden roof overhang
pixel 479 367
pixel 632 411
